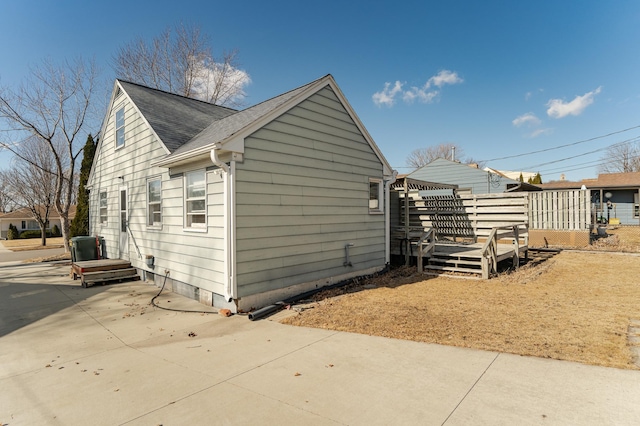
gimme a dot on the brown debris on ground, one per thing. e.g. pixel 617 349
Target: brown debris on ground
pixel 573 306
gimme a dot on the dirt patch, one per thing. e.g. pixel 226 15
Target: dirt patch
pixel 573 306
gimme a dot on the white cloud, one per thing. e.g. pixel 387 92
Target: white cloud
pixel 442 78
pixel 424 94
pixel 528 119
pixel 557 108
pixel 219 83
pixel 540 132
pixel 387 95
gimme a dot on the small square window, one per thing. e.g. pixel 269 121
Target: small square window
pixel 375 196
pixel 120 128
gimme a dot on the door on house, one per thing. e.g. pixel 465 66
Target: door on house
pixel 124 224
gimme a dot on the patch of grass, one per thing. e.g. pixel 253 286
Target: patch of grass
pixel 574 306
pixel 32 244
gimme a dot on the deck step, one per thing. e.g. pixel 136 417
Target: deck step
pixel 449 254
pixel 453 269
pixel 116 274
pixel 454 260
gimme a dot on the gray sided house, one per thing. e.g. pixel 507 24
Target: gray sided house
pixel 239 209
pixel 615 197
pixel 469 178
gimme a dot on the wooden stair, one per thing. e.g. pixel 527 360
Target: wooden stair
pixel 92 272
pixel 450 261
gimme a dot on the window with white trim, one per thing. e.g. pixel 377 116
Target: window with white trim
pixel 195 199
pixel 375 196
pixel 636 206
pixel 120 128
pixel 154 202
pixel 103 207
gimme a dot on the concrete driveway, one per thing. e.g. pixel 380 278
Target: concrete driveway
pixel 103 356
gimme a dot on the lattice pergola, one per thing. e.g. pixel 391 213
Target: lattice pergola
pixel 405 184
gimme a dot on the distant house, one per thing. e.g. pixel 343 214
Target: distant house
pixel 240 209
pixel 514 175
pixel 613 195
pixel 469 178
pixel 24 221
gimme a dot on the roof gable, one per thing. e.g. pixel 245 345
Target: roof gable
pixel 222 129
pixel 243 123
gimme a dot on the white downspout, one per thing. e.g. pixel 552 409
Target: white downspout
pixel 387 217
pixel 230 285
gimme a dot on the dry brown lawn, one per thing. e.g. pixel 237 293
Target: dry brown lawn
pixel 32 244
pixel 576 306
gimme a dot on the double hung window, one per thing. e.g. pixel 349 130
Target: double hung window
pixel 103 207
pixel 154 202
pixel 196 199
pixel 120 128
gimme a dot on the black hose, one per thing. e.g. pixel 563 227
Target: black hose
pixel 153 303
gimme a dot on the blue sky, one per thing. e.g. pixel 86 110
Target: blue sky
pixel 498 78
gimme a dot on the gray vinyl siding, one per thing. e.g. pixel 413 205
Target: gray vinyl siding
pixel 196 258
pixel 302 194
pixel 466 177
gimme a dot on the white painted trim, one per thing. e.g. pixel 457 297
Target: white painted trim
pixel 387 218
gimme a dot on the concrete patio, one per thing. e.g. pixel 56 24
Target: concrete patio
pixel 104 356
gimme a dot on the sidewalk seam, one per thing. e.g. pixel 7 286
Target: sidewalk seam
pixel 470 389
pixel 226 380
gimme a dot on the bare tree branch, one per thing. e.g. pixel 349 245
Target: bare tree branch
pixel 423 156
pixel 182 62
pixel 621 158
pixel 52 107
pixel 32 184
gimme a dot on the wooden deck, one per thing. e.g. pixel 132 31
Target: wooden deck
pixel 481 258
pixel 91 272
pixel 468 257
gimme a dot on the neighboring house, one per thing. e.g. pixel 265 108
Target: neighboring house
pixel 469 178
pixel 514 175
pixel 613 195
pixel 240 209
pixel 24 221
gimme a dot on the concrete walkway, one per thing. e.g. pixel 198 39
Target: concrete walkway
pixel 103 356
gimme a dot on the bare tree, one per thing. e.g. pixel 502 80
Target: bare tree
pixel 181 61
pixel 5 200
pixel 423 156
pixel 621 158
pixel 53 106
pixel 31 186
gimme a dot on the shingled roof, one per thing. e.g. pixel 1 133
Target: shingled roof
pixel 604 180
pixel 175 119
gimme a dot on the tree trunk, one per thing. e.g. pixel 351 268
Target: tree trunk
pixel 64 227
pixel 43 235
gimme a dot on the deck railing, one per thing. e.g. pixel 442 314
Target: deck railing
pixel 490 248
pixel 426 245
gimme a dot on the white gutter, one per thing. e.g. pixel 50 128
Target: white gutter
pixel 230 284
pixel 387 214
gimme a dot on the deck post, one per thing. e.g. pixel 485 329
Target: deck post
pixel 485 268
